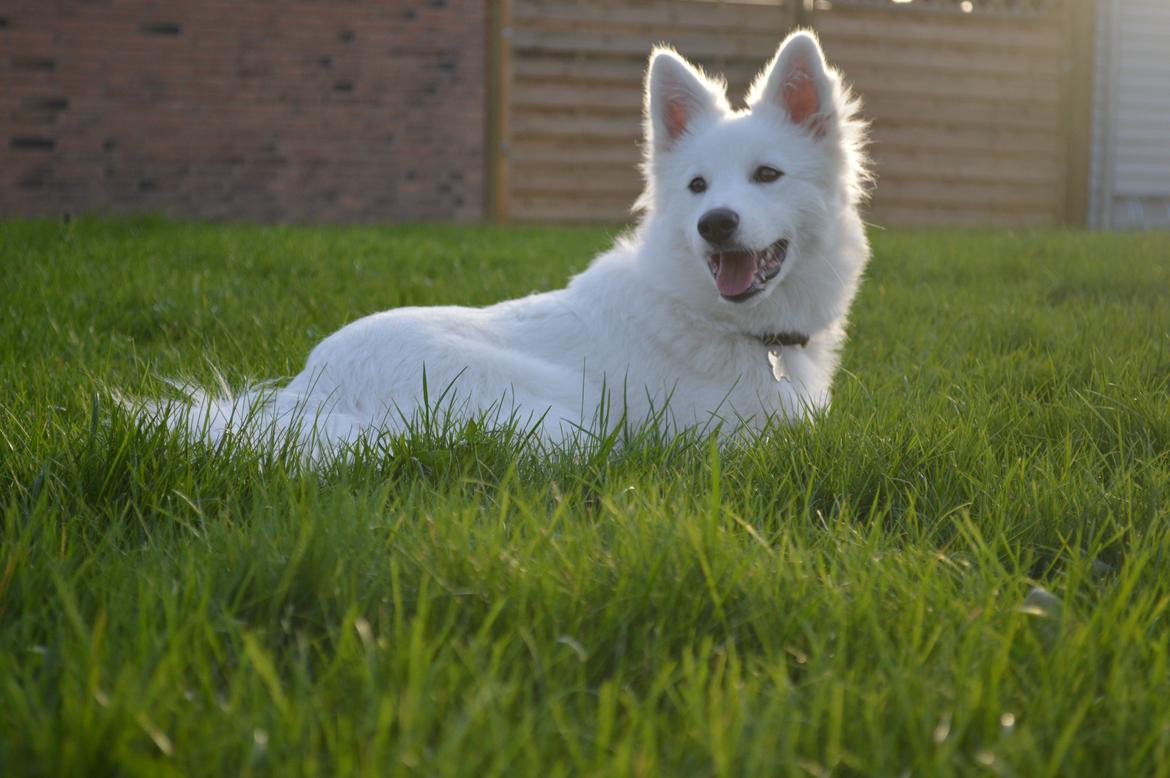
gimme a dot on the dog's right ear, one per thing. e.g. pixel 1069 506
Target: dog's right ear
pixel 677 96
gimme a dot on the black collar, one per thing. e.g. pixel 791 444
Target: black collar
pixel 783 339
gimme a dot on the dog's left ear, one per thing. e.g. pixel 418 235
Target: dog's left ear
pixel 797 81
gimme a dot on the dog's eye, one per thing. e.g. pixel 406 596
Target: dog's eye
pixel 698 185
pixel 766 175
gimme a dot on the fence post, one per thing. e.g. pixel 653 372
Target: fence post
pixel 802 14
pixel 1079 23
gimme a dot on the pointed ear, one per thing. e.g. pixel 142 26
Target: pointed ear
pixel 797 81
pixel 677 95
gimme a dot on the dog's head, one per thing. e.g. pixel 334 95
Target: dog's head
pixel 744 196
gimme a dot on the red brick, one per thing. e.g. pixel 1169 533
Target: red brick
pixel 262 110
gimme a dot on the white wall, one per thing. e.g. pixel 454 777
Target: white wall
pixel 1130 173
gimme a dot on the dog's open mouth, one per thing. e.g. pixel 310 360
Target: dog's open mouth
pixel 740 273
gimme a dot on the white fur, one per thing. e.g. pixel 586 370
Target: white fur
pixel 644 327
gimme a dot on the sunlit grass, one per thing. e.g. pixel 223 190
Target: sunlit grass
pixel 849 599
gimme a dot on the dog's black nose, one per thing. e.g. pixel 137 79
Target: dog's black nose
pixel 718 225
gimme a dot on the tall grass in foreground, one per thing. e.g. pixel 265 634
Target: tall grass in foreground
pixel 848 598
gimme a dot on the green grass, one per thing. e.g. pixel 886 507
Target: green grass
pixel 847 599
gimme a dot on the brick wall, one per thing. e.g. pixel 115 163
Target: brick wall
pixel 326 111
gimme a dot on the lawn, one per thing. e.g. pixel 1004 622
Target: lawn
pixel 964 568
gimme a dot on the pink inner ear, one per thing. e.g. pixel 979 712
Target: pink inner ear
pixel 676 118
pixel 800 95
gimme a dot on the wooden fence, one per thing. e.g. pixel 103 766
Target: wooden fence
pixel 977 115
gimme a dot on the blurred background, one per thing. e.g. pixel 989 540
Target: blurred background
pixel 986 113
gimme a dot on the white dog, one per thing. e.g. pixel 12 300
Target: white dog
pixel 725 306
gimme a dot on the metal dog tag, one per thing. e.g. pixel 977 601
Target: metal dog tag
pixel 776 360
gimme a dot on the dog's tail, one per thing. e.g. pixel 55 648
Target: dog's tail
pixel 261 415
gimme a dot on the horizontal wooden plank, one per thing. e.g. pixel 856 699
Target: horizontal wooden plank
pixel 1044 196
pixel 621 184
pixel 570 210
pixel 891 51
pixel 583 125
pixel 885 107
pixel 839 28
pixel 954 167
pixel 967 140
pixel 758 46
pixel 553 152
pixel 551 95
pixel 707 16
pixel 627 72
pixel 909 215
pixel 973 86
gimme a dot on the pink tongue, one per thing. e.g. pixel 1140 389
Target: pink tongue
pixel 737 271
